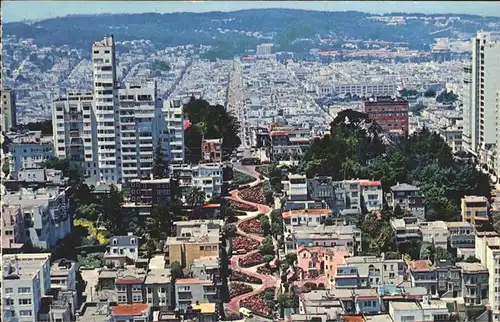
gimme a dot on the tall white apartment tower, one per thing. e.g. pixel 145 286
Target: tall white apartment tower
pixel 470 131
pixel 174 121
pixel 106 110
pixel 481 133
pixel 74 130
pixel 141 125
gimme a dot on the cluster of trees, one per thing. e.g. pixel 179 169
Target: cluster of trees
pixel 209 122
pixel 430 93
pixel 159 65
pixel 358 149
pixel 446 97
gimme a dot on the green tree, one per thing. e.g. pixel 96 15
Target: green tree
pixel 160 164
pixel 160 223
pixel 443 254
pixel 398 212
pixel 195 198
pixel 6 168
pixel 430 93
pixel 210 122
pixel 90 212
pixel 150 247
pixel 267 247
pixel 291 258
pixel 472 259
pixel 264 224
pixel 176 270
pixel 112 211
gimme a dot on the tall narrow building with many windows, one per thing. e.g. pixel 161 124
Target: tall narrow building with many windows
pixel 482 134
pixel 112 132
pixel 141 125
pixel 75 131
pixel 107 110
pixel 174 119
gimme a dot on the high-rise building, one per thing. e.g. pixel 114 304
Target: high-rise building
pixel 26 279
pixel 106 110
pixel 141 124
pixel 390 113
pixel 75 131
pixel 469 133
pixel 174 119
pixel 487 250
pixel 113 131
pixel 482 135
pixel 264 49
pixel 8 104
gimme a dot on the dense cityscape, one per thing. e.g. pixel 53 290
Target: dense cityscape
pixel 233 169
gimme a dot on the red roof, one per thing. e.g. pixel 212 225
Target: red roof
pixel 129 309
pixel 212 205
pixel 187 124
pixel 278 133
pixel 369 183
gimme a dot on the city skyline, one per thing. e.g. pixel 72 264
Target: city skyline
pixel 15 11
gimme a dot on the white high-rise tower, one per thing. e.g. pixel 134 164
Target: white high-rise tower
pixel 106 110
pixel 481 110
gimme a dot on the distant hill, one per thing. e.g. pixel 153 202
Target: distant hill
pixel 285 25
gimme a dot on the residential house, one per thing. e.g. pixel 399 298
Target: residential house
pixel 321 188
pixel 408 198
pixel 488 252
pixel 427 310
pixel 449 279
pixel 434 232
pixel 474 283
pixel 475 209
pixel 370 272
pixel 323 236
pixel 29 150
pixel 320 261
pixel 25 281
pixel 190 291
pixel 194 239
pixel 63 274
pixel 13 234
pixel 423 273
pixel 137 312
pixel 406 230
pixel 47 215
pixel 372 195
pixel 461 234
pixel 158 284
pixel 305 217
pixel 122 250
pixel 206 176
pixel 121 285
pixel 211 150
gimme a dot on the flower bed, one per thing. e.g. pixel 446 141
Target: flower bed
pixel 253 194
pixel 242 277
pixel 241 206
pixel 244 244
pixel 259 304
pixel 238 288
pixel 251 260
pixel 266 270
pixel 252 226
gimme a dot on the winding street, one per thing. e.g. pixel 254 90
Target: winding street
pixel 267 280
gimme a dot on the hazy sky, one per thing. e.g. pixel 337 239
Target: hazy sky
pixel 36 10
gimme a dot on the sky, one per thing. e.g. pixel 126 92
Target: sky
pixel 16 10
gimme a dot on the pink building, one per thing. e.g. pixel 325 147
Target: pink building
pixel 320 261
pixel 12 228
